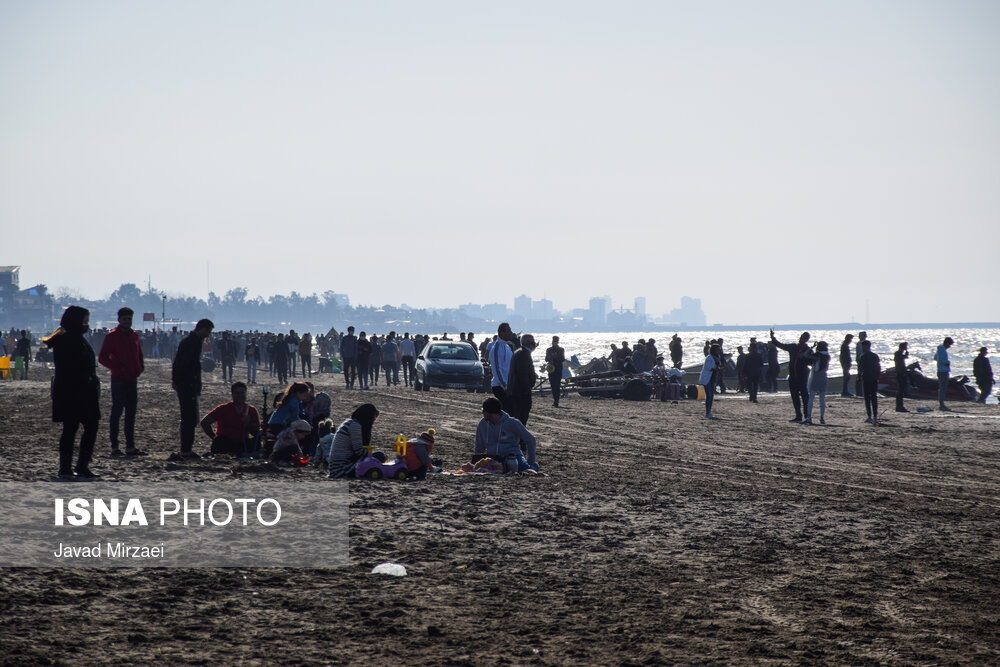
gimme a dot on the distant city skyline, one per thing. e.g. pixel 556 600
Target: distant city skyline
pixel 784 161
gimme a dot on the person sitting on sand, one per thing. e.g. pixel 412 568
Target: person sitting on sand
pixel 498 435
pixel 289 407
pixel 352 438
pixel 238 424
pixel 287 448
pixel 418 459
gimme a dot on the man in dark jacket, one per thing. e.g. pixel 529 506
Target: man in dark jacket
pixel 869 368
pixel 522 379
pixel 754 362
pixel 676 351
pixel 555 356
pixel 983 372
pixel 349 357
pixel 121 353
pixel 798 372
pixel 186 381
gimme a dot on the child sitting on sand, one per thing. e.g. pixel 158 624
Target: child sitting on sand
pixel 418 459
pixel 325 431
pixel 287 448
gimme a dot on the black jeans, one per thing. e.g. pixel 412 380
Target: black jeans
pixel 68 438
pixel 871 398
pixel 124 398
pixel 555 380
pixel 800 395
pixel 772 378
pixel 847 378
pixel 504 399
pixel 189 418
pixel 350 370
pixel 902 383
pixel 753 382
pixel 408 370
pixel 521 406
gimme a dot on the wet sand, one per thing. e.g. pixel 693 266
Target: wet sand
pixel 656 537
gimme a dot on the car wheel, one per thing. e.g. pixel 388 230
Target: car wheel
pixel 427 387
pixel 374 473
pixel 400 474
pixel 416 385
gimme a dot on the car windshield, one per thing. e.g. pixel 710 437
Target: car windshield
pixel 456 351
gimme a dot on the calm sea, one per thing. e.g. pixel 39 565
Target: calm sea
pixel 922 344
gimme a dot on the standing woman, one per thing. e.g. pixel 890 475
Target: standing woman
pixel 709 377
pixel 818 381
pixel 76 391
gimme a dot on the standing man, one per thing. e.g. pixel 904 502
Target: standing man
pixel 554 358
pixel 121 353
pixel 24 352
pixel 845 363
pixel 349 355
pixel 227 356
pixel 390 360
pixel 754 363
pixel 252 356
pixel 305 354
pixel 859 386
pixel 982 370
pixel 676 351
pixel 943 371
pixel 522 380
pixel 407 354
pixel 773 368
pixel 186 381
pixel 798 373
pixel 500 356
pixel 902 377
pixel 870 368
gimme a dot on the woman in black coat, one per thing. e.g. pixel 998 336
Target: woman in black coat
pixel 76 391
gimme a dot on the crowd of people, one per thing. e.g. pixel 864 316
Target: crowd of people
pixel 808 368
pixel 300 428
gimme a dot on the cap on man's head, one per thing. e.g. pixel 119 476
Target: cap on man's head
pixel 301 426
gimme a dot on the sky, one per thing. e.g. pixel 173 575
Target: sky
pixel 783 161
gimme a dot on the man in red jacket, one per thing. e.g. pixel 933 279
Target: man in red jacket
pixel 121 353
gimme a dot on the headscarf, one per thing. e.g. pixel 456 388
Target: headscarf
pixel 365 415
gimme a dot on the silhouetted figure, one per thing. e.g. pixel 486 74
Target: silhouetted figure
pixel 845 363
pixel 870 369
pixel 798 371
pixel 983 372
pixel 75 391
pixel 902 375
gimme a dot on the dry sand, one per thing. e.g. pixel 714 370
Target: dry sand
pixel 656 537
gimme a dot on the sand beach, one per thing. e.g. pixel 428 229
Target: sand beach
pixel 655 537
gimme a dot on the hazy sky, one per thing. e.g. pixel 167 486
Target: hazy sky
pixel 783 161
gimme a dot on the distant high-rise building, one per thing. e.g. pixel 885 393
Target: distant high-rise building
pixel 640 309
pixel 496 312
pixel 597 314
pixel 689 314
pixel 9 286
pixel 542 310
pixel 522 306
